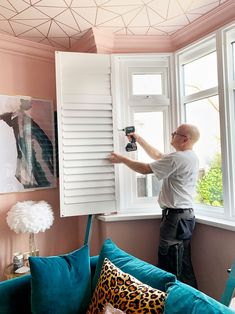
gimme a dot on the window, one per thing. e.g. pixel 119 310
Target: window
pixel 144 102
pixel 233 52
pixel 205 88
pixel 209 187
pixel 205 101
pixel 200 104
pixel 228 81
pixel 149 125
pixel 194 81
pixel 146 84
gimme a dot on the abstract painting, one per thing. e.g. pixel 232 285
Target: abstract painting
pixel 27 144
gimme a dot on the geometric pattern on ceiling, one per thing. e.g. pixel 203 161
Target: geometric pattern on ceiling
pixel 60 23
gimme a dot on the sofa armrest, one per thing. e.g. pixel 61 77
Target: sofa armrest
pixel 15 295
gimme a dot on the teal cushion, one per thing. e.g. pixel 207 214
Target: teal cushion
pixel 15 295
pixel 61 284
pixel 182 298
pixel 145 272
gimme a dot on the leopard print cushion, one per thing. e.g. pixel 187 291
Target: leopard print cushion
pixel 125 293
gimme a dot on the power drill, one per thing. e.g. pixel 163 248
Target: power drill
pixel 131 146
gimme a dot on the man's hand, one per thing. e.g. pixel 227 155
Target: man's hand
pixel 137 166
pixel 135 135
pixel 115 158
pixel 154 153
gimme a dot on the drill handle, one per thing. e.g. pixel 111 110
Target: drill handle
pixel 133 139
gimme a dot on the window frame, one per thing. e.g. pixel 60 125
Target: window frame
pixel 217 41
pixel 226 37
pixel 123 67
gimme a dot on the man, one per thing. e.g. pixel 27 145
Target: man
pixel 179 171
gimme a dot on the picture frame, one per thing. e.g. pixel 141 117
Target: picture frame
pixel 27 144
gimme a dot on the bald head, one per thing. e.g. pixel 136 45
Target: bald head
pixel 191 131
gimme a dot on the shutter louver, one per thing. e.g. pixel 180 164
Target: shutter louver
pixel 85 134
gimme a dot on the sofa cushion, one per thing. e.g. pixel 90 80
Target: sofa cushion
pixel 15 295
pixel 145 272
pixel 125 293
pixel 61 284
pixel 182 298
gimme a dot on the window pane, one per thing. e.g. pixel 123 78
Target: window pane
pixel 146 84
pixel 200 74
pixel 150 126
pixel 208 149
pixel 233 51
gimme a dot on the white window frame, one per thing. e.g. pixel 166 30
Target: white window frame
pixel 124 107
pixel 218 41
pixel 227 73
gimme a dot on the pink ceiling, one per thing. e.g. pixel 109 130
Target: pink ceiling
pixel 61 23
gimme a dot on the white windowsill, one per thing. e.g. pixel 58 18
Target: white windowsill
pixel 130 216
pixel 214 222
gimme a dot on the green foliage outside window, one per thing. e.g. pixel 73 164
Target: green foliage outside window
pixel 210 187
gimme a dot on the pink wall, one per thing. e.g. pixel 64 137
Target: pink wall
pixel 213 253
pixel 29 69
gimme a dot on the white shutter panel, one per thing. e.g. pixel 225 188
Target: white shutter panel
pixel 85 133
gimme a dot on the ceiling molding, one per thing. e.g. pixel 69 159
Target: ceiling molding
pixel 124 44
pixel 86 43
pixel 104 41
pixel 203 26
pixel 13 45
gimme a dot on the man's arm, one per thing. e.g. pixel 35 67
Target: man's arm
pixel 154 153
pixel 137 166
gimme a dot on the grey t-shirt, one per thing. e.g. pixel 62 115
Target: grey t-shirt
pixel 179 171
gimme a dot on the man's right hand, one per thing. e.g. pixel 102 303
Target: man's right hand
pixel 135 135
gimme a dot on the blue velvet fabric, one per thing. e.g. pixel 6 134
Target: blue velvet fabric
pixel 15 295
pixel 145 272
pixel 184 299
pixel 61 284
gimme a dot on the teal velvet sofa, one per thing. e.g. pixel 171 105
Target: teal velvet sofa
pixel 51 276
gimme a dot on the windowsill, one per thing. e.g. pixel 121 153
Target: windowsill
pixel 214 222
pixel 130 216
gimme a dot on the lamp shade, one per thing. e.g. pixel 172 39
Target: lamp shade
pixel 30 217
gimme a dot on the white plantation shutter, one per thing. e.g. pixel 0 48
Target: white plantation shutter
pixel 85 133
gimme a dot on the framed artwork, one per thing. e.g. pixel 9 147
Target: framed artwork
pixel 27 144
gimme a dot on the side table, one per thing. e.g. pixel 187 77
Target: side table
pixel 9 273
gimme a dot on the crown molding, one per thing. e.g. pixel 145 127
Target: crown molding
pixel 86 43
pixel 99 41
pixel 14 45
pixel 141 43
pixel 204 25
pixel 104 41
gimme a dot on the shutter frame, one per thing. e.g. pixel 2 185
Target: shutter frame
pixel 85 134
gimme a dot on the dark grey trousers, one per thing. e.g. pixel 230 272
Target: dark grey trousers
pixel 174 253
